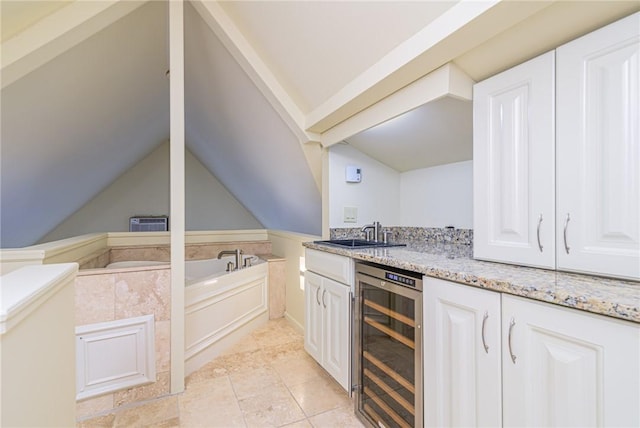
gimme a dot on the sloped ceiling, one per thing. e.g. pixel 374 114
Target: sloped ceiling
pixel 85 112
pixel 73 125
pixel 238 136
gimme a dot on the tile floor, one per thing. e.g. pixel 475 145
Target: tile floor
pixel 265 380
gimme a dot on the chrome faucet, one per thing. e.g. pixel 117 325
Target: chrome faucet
pixel 375 226
pixel 237 252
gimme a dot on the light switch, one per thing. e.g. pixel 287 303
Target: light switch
pixel 350 214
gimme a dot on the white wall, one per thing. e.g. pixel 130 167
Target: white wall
pixel 144 189
pixel 439 196
pixel 37 339
pixel 376 197
pixel 430 197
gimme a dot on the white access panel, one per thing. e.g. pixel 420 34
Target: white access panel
pixel 114 355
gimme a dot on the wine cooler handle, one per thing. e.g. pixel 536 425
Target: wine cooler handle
pixel 566 225
pixel 324 304
pixel 317 296
pixel 511 324
pixel 484 323
pixel 540 247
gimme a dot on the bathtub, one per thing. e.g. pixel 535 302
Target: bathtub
pixel 221 307
pixel 195 270
pixel 199 270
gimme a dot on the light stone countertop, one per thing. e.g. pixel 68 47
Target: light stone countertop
pixel 605 296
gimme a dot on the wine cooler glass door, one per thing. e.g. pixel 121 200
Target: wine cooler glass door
pixel 390 360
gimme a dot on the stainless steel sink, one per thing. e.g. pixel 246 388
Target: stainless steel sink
pixel 357 243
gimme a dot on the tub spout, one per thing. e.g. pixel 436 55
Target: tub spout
pixel 237 252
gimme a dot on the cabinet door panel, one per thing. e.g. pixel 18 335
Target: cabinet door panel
pixel 462 380
pixel 568 374
pixel 313 315
pixel 336 305
pixel 572 368
pixel 513 140
pixel 598 143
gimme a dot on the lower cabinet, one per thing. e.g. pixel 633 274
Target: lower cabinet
pixel 327 335
pixel 564 367
pixel 493 359
pixel 462 352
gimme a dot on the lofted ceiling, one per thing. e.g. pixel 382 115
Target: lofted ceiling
pixel 85 96
pixel 315 49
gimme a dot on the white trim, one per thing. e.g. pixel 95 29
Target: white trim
pixel 177 189
pixel 58 33
pixel 26 289
pixel 299 327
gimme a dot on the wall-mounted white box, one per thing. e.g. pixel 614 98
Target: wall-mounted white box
pixel 353 174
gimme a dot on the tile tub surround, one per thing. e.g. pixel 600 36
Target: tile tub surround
pixel 277 285
pixel 162 253
pixel 605 296
pixel 107 295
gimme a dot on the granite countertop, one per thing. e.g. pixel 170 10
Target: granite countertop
pixel 454 262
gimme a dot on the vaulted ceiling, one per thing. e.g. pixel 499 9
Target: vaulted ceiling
pixel 85 92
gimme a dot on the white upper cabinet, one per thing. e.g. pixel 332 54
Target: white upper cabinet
pixel 569 197
pixel 598 150
pixel 514 162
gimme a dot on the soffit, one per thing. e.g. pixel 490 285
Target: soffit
pixel 437 133
pixel 546 30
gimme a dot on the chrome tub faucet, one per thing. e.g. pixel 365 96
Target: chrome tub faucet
pixel 237 253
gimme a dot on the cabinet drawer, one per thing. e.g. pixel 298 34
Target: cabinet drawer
pixel 338 268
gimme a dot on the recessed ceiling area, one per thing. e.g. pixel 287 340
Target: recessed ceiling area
pixel 437 133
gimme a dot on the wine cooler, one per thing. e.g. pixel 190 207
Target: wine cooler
pixel 388 346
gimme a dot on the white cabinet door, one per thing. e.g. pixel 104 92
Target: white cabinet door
pixel 327 330
pixel 313 315
pixel 462 354
pixel 337 331
pixel 513 165
pixel 571 368
pixel 598 149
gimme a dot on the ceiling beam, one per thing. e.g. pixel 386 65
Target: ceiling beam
pixel 461 28
pixel 57 33
pixel 242 51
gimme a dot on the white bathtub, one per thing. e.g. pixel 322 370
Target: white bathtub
pixel 195 270
pixel 221 307
pixel 199 270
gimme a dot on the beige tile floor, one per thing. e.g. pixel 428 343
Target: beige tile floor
pixel 265 380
